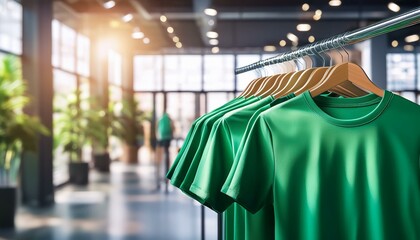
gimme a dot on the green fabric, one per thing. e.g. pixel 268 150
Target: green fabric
pixel 164 127
pixel 214 166
pixel 198 141
pixel 334 168
pixel 193 130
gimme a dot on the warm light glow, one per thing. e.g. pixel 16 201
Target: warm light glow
pixel 109 4
pixel 318 12
pixel 170 29
pixel 334 3
pixel 178 45
pixel 303 27
pixel 215 49
pixel 137 34
pixel 269 48
pixel 163 18
pixel 317 17
pixel 409 48
pixel 213 42
pixel 412 38
pixel 282 43
pixel 292 37
pixel 114 23
pixel 305 7
pixel 128 17
pixel 393 7
pixel 211 22
pixel 175 39
pixel 311 39
pixel 212 34
pixel 394 43
pixel 210 12
pixel 146 40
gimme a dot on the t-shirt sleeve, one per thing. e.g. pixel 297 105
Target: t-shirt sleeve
pixel 213 169
pixel 250 180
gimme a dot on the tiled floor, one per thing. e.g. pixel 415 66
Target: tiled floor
pixel 122 205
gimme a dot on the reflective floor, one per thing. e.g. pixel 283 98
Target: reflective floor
pixel 125 204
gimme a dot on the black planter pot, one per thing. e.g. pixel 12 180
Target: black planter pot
pixel 7 206
pixel 101 162
pixel 79 173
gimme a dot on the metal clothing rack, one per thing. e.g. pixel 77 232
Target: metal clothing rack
pixel 385 26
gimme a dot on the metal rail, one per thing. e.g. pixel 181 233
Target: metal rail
pixel 388 25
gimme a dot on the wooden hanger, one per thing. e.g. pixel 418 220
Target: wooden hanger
pixel 268 83
pixel 248 87
pixel 346 72
pixel 254 88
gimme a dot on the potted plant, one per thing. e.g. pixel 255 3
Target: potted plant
pixel 75 127
pixel 127 125
pixel 18 133
pixel 101 158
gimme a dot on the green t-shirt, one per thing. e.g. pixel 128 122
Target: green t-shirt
pixel 343 168
pixel 198 142
pixel 214 167
pixel 193 130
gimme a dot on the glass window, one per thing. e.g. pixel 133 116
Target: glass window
pixel 244 78
pixel 83 51
pixel 68 48
pixel 55 43
pixel 181 108
pixel 409 95
pixel 401 71
pixel 219 72
pixel 215 100
pixel 114 68
pixel 182 72
pixel 147 73
pixel 64 84
pixel 11 26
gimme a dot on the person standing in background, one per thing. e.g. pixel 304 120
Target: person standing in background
pixel 165 130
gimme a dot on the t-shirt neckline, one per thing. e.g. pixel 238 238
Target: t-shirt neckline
pixel 369 99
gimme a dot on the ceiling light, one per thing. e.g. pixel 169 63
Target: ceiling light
pixel 292 37
pixel 269 48
pixel 128 17
pixel 409 48
pixel 215 49
pixel 109 4
pixel 412 38
pixel 137 34
pixel 317 17
pixel 163 18
pixel 282 43
pixel 394 43
pixel 170 29
pixel 393 7
pixel 213 41
pixel 318 12
pixel 311 39
pixel 212 34
pixel 178 45
pixel 334 3
pixel 303 27
pixel 175 39
pixel 146 40
pixel 211 22
pixel 305 7
pixel 210 12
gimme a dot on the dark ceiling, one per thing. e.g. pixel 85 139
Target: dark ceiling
pixel 241 24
